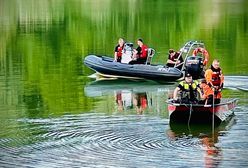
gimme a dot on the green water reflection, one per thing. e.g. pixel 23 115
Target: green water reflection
pixel 42 44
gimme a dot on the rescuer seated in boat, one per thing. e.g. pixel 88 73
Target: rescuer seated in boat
pixel 140 53
pixel 207 93
pixel 174 59
pixel 188 89
pixel 215 79
pixel 119 50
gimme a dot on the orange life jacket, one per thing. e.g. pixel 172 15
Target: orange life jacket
pixel 214 77
pixel 206 91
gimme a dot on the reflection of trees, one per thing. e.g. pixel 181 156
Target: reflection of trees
pixel 43 42
pixel 89 23
pixel 39 53
pixel 34 103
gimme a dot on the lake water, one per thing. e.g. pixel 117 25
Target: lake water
pixel 54 115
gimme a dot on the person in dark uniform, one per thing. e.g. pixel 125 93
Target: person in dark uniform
pixel 188 89
pixel 174 58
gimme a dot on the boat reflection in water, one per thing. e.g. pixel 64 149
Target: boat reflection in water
pixel 201 137
pixel 129 96
pixel 127 100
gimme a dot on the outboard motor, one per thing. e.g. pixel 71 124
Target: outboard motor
pixel 128 47
pixel 194 66
pixel 128 52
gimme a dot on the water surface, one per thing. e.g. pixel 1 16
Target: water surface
pixel 53 115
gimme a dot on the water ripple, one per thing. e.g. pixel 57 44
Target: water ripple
pixel 83 136
pixel 96 139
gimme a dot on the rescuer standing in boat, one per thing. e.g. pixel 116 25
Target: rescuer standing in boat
pixel 207 93
pixel 215 79
pixel 188 89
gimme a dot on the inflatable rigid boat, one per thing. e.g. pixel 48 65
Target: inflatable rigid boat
pixel 107 67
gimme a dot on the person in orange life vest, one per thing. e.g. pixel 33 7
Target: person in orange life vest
pixel 174 58
pixel 215 79
pixel 207 93
pixel 119 50
pixel 140 53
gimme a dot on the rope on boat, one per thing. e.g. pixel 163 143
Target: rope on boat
pixel 190 112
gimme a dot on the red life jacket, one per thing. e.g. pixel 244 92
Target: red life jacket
pixel 216 76
pixel 144 51
pixel 119 51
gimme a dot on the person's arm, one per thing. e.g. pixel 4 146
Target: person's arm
pixel 221 82
pixel 177 61
pixel 115 53
pixel 171 62
pixel 135 53
pixel 200 93
pixel 139 51
pixel 175 93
